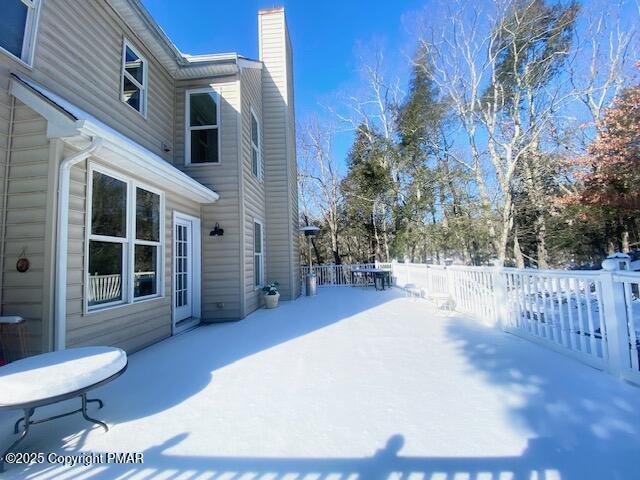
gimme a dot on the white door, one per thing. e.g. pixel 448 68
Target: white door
pixel 186 272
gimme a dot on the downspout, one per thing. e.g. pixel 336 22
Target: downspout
pixel 5 194
pixel 62 232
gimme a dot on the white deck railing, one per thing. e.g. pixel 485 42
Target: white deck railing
pixel 338 275
pixel 591 315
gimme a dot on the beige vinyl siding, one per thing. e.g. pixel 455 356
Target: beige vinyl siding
pixel 25 233
pixel 254 195
pixel 293 173
pixel 132 326
pixel 78 56
pixel 221 264
pixel 276 133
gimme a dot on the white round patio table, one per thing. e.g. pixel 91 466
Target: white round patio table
pixel 54 377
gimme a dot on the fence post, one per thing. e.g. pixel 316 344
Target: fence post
pixel 501 297
pixel 615 320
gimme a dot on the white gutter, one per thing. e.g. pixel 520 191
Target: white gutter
pixel 64 176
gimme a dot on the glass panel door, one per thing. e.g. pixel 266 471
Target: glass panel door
pixel 182 274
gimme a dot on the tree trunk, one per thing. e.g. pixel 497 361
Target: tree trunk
pixel 378 249
pixel 334 248
pixel 626 246
pixel 507 224
pixel 543 255
pixel 517 251
pixel 315 249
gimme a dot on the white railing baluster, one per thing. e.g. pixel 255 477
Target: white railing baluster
pixel 592 330
pixel 562 330
pixel 580 332
pixel 594 316
pixel 631 327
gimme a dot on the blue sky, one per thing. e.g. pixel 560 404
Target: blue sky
pixel 325 35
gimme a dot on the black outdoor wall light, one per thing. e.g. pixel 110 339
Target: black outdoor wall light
pixel 217 231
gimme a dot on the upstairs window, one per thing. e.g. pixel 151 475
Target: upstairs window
pixel 202 118
pixel 18 28
pixel 134 79
pixel 255 146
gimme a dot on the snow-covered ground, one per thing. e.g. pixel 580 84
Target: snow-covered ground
pixel 351 384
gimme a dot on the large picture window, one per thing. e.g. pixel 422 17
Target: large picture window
pixel 202 118
pixel 125 242
pixel 18 24
pixel 258 254
pixel 134 79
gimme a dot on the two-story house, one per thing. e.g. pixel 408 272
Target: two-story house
pixel 147 189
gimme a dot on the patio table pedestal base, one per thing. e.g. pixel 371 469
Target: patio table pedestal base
pixel 28 413
pixel 82 410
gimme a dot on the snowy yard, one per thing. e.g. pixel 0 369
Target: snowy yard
pixel 352 384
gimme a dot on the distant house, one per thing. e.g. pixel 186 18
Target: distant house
pixel 149 189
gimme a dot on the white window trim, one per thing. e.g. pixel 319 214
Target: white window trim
pixel 261 254
pixel 30 34
pixel 254 147
pixel 144 87
pixel 188 128
pixel 128 254
pixel 159 244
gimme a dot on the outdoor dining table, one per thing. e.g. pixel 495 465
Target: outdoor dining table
pixel 54 377
pixel 376 274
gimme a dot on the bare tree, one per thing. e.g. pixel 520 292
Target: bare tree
pixel 496 76
pixel 604 57
pixel 320 178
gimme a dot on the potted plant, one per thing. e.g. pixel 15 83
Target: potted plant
pixel 271 295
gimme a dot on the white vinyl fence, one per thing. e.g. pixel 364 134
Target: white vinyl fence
pixel 338 275
pixel 591 315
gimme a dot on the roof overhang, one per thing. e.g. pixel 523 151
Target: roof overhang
pixel 180 65
pixel 76 127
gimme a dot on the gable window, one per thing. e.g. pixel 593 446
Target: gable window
pixel 124 242
pixel 256 166
pixel 18 24
pixel 202 118
pixel 134 79
pixel 258 254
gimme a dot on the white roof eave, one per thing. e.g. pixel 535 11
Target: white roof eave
pixel 137 160
pixel 180 65
pixel 74 126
